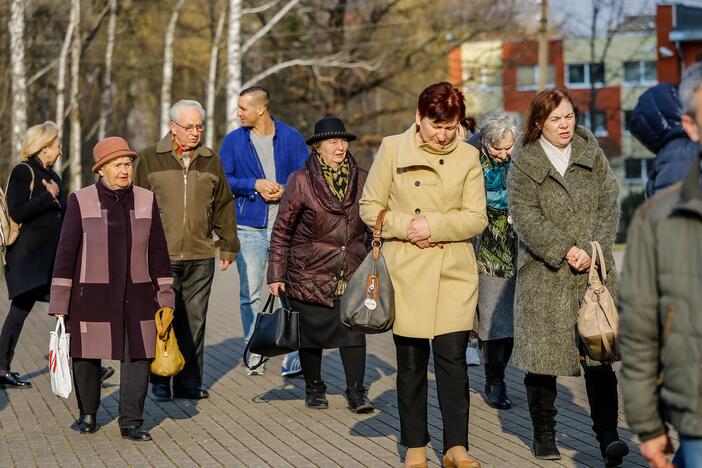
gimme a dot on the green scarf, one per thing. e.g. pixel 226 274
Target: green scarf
pixel 338 179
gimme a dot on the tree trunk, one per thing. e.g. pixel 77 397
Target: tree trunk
pixel 19 78
pixel 233 63
pixel 105 108
pixel 168 68
pixel 211 81
pixel 61 83
pixel 75 141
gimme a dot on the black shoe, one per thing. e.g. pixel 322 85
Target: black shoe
pixel 614 452
pixel 358 402
pixel 12 380
pixel 135 433
pixel 191 394
pixel 544 447
pixel 496 395
pixel 161 391
pixel 315 394
pixel 86 424
pixel 106 373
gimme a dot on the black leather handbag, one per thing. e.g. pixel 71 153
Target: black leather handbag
pixel 368 303
pixel 275 332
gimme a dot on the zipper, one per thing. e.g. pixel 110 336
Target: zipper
pixel 185 206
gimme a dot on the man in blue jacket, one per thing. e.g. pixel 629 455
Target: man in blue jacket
pixel 257 160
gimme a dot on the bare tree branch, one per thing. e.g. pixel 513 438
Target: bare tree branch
pixel 43 71
pixel 259 9
pixel 268 26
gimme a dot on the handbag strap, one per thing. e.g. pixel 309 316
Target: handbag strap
pixel 597 258
pixel 377 234
pixel 247 353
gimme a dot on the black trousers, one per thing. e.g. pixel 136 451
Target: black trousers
pixel 451 382
pixel 133 385
pixel 192 282
pixel 12 327
pixel 352 357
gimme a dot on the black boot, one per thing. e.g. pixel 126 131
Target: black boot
pixel 541 395
pixel 315 394
pixel 86 424
pixel 358 402
pixel 601 386
pixel 496 354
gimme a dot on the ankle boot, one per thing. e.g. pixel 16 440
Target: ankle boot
pixel 315 394
pixel 541 396
pixel 495 356
pixel 601 387
pixel 358 402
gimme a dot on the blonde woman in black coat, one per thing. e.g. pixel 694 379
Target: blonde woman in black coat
pixel 36 199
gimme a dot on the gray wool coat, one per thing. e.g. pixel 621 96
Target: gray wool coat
pixel 551 214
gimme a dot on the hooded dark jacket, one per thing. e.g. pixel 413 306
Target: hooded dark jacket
pixel 656 124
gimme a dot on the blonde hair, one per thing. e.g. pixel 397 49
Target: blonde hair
pixel 37 138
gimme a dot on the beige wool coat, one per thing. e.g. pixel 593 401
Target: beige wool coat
pixel 436 289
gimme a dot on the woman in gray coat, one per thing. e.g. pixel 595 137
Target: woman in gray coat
pixel 496 253
pixel 562 195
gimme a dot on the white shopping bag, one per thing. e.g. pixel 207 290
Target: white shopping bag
pixel 59 362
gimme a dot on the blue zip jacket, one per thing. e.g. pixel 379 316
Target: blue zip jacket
pixel 242 167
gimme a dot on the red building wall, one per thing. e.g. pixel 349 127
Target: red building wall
pixel 455 66
pixel 668 67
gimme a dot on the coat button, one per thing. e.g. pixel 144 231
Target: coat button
pixel 416 183
pixel 417 211
pixel 334 278
pixel 343 247
pixel 441 161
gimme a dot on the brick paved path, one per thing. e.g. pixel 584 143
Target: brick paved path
pixel 262 421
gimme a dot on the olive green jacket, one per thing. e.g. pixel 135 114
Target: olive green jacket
pixel 193 201
pixel 552 213
pixel 661 326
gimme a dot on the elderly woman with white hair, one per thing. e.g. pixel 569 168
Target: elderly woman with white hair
pixel 496 253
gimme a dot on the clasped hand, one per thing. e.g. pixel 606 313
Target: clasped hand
pixel 578 259
pixel 269 191
pixel 418 232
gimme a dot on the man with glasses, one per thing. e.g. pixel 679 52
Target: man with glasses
pixel 194 199
pixel 258 158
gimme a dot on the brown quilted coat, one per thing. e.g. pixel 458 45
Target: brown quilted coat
pixel 315 236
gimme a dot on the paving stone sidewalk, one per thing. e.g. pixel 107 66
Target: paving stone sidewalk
pixel 262 420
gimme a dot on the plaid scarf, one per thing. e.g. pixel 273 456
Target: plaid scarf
pixel 338 179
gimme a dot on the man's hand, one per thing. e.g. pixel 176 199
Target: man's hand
pixel 269 191
pixel 578 259
pixel 276 195
pixel 423 244
pixel 418 230
pixel 276 288
pixel 655 451
pixel 224 264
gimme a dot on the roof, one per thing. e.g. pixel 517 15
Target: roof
pixel 637 23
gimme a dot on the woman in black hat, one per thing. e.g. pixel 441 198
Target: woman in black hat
pixel 318 241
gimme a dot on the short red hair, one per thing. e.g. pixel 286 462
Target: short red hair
pixel 442 102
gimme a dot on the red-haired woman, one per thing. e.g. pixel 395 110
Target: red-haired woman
pixel 431 183
pixel 562 195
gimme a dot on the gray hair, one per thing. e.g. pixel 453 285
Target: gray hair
pixel 496 126
pixel 690 84
pixel 174 113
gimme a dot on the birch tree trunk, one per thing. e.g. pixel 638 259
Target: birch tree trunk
pixel 19 78
pixel 61 83
pixel 75 140
pixel 211 81
pixel 233 63
pixel 106 107
pixel 168 67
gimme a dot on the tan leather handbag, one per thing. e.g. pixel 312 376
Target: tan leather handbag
pixel 168 360
pixel 598 319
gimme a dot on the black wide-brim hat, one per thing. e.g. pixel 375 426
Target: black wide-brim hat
pixel 330 127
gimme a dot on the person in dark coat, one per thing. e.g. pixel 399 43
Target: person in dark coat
pixel 36 200
pixel 496 254
pixel 656 124
pixel 318 241
pixel 112 274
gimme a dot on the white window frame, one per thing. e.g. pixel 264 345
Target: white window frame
pixel 586 83
pixel 535 86
pixel 586 123
pixel 643 179
pixel 642 81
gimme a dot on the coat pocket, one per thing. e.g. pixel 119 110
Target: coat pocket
pixel 680 375
pixel 96 340
pixel 148 337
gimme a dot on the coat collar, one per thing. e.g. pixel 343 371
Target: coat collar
pixel 410 154
pixel 165 145
pixel 691 193
pixel 324 193
pixel 532 160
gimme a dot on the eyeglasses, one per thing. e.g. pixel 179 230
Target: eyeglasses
pixel 190 128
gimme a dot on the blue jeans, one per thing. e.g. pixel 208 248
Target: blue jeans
pixel 689 454
pixel 251 262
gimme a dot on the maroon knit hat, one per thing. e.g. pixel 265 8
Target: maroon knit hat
pixel 110 148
